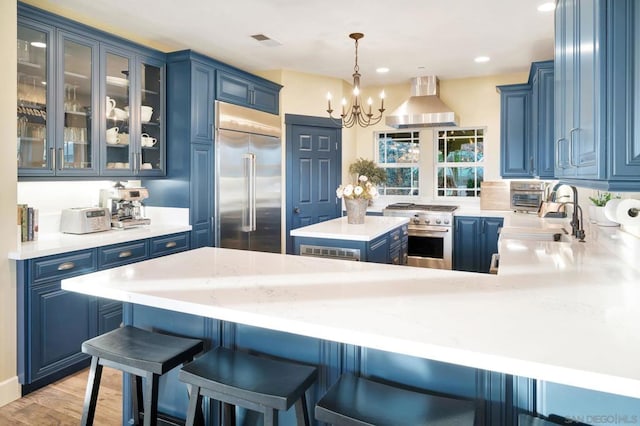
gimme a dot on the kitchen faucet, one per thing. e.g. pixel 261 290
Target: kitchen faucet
pixel 576 222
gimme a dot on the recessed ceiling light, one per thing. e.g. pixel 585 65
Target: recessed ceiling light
pixel 39 44
pixel 482 59
pixel 547 7
pixel 382 70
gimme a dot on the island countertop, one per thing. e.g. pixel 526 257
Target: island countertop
pixel 572 321
pixel 339 229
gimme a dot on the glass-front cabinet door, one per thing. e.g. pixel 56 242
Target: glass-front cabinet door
pixel 118 158
pixel 34 138
pixel 151 146
pixel 75 140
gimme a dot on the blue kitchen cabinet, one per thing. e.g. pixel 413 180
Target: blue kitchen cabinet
pixel 53 323
pixel 580 85
pixel 475 240
pixel 84 70
pixel 190 179
pixel 526 125
pixel 516 155
pixel 542 124
pixel 247 90
pixel 596 79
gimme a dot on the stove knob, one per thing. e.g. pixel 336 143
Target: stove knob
pixel 438 221
pixel 446 221
pixel 416 220
pixel 427 221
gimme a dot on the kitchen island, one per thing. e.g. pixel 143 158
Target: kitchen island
pixel 557 312
pixel 379 239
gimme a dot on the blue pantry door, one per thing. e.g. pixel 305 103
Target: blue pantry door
pixel 314 156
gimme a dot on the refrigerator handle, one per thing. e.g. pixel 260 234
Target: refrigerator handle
pixel 249 206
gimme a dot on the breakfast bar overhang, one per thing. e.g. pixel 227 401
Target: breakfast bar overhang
pixel 464 333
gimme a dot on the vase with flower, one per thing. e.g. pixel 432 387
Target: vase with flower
pixel 356 198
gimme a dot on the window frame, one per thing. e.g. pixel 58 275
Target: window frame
pixel 414 166
pixel 475 165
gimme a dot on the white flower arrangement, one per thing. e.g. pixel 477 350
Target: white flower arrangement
pixel 362 189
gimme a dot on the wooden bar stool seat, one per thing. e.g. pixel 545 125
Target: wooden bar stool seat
pixel 261 384
pixel 356 401
pixel 144 354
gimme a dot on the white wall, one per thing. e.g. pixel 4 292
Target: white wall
pixel 9 389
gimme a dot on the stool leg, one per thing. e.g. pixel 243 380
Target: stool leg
pixel 91 394
pixel 270 417
pixel 151 400
pixel 302 415
pixel 195 401
pixel 136 398
pixel 228 414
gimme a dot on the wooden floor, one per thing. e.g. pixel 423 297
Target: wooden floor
pixel 60 403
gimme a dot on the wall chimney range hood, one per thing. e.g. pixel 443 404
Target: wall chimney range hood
pixel 424 108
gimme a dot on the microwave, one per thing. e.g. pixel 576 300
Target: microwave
pixel 526 196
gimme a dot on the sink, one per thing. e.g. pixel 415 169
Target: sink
pixel 536 234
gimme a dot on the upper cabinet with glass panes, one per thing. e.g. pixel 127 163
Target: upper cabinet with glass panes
pixel 89 104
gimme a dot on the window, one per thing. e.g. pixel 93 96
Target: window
pixel 459 163
pixel 399 153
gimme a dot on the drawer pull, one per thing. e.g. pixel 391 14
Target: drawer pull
pixel 66 266
pixel 396 237
pixel 126 253
pixel 170 244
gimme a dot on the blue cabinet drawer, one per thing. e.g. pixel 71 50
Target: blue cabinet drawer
pixel 169 244
pixel 67 265
pixel 122 254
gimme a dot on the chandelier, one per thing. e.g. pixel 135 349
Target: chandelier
pixel 357 113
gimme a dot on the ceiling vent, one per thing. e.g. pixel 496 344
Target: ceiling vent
pixel 265 40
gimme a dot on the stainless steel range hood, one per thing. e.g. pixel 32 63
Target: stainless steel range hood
pixel 424 108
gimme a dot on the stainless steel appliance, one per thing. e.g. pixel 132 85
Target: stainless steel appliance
pixel 84 220
pixel 430 233
pixel 526 196
pixel 125 205
pixel 248 179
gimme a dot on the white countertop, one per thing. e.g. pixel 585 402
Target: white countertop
pixel 57 242
pixel 373 227
pixel 562 312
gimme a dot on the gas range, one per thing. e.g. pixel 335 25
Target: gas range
pixel 422 214
pixel 430 236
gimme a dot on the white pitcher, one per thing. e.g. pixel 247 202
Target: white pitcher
pixel 111 104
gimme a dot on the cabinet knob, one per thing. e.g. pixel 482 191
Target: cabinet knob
pixel 123 254
pixel 170 244
pixel 296 210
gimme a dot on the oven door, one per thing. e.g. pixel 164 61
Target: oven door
pixel 430 247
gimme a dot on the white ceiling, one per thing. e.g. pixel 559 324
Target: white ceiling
pixel 411 37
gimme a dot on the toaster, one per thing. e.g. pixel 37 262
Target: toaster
pixel 84 220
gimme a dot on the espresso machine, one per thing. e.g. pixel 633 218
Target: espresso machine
pixel 125 205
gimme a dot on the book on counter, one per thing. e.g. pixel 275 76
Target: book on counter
pixel 28 222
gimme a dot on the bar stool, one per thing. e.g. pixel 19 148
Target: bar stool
pixel 356 401
pixel 141 353
pixel 256 383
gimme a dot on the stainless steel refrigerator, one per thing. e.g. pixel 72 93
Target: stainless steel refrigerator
pixel 248 179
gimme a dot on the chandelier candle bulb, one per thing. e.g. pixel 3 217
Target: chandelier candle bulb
pixel 329 102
